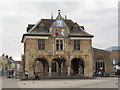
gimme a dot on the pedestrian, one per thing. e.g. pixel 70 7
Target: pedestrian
pixel 99 73
pixel 26 75
pixel 102 74
pixel 37 77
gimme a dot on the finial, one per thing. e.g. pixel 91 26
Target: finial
pixel 52 15
pixel 59 11
pixel 59 15
pixel 65 17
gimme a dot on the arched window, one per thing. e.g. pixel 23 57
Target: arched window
pixel 100 66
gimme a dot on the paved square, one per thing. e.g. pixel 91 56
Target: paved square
pixel 61 83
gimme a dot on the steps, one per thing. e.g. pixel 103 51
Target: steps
pixel 59 77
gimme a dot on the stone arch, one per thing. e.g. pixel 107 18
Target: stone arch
pixel 42 56
pixel 41 66
pixel 77 66
pixel 60 56
pixel 100 64
pixel 80 57
pixel 58 66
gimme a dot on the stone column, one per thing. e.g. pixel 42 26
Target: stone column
pixel 64 69
pixel 43 71
pixel 79 70
pixel 61 68
pixel 50 71
pixel 86 68
pixel 68 71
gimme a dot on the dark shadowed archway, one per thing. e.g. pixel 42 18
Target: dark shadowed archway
pixel 100 65
pixel 77 66
pixel 58 66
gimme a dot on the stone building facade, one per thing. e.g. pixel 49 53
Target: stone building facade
pixel 102 61
pixel 115 54
pixel 8 66
pixel 57 47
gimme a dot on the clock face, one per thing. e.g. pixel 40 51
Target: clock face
pixel 59 23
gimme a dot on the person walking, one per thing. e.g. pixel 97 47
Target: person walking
pixel 26 75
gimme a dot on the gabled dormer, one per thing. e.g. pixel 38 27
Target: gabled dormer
pixel 75 28
pixel 59 28
pixel 41 27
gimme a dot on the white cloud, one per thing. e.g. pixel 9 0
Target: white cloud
pixel 99 19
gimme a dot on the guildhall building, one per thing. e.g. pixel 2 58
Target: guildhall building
pixel 61 47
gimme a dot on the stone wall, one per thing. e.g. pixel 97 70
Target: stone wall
pixel 106 56
pixel 31 53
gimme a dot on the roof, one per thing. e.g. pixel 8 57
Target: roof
pixel 100 50
pixel 47 23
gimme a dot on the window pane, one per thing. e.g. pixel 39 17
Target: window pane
pixel 61 46
pixel 42 28
pixel 74 47
pixel 57 46
pixel 42 41
pixel 57 41
pixel 61 41
pixel 75 29
pixel 39 47
pixel 38 41
pixel 76 44
pixel 78 47
pixel 41 44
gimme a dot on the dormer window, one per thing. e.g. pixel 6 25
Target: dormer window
pixel 42 28
pixel 75 29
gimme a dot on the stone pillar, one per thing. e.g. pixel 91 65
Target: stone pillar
pixel 64 69
pixel 61 68
pixel 68 71
pixel 50 71
pixel 88 71
pixel 79 70
pixel 43 71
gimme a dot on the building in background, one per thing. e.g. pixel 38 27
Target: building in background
pixel 9 67
pixel 61 47
pixel 17 69
pixel 1 59
pixel 115 53
pixel 102 61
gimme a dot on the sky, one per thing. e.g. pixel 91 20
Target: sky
pixel 99 17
